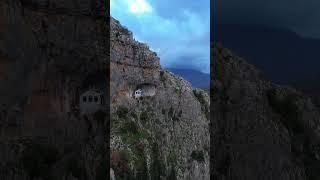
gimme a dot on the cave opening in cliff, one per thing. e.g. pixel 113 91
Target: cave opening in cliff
pixel 146 89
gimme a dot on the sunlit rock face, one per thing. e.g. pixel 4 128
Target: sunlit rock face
pixel 164 134
pixel 131 64
pixel 259 130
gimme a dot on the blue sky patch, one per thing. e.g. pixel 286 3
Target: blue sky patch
pixel 177 30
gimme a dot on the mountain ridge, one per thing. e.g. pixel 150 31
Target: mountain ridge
pixel 257 124
pixel 281 54
pixel 196 78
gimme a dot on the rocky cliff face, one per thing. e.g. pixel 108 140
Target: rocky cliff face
pixel 259 130
pixel 51 51
pixel 164 136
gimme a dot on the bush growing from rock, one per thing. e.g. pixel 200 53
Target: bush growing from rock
pixel 122 112
pixel 286 105
pixel 198 156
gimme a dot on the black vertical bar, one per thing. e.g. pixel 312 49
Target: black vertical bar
pixel 107 100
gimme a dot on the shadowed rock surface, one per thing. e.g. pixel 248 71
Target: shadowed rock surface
pixel 163 136
pixel 259 130
pixel 48 51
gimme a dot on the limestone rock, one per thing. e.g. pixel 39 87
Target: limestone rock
pixel 260 130
pixel 50 52
pixel 163 135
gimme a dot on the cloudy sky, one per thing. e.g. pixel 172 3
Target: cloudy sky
pixel 178 30
pixel 301 16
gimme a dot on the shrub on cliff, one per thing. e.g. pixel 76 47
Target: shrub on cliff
pixel 122 112
pixel 286 105
pixel 198 156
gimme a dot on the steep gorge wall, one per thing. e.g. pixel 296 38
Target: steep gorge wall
pixel 259 130
pixel 49 49
pixel 165 136
pixel 131 64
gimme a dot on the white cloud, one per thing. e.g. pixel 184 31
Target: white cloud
pixel 139 6
pixel 184 35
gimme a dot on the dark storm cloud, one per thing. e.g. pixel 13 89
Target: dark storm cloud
pixel 301 16
pixel 178 30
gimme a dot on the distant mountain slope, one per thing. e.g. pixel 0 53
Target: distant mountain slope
pixel 196 78
pixel 256 124
pixel 281 54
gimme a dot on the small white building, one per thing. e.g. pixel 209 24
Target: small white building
pixel 91 101
pixel 145 90
pixel 138 93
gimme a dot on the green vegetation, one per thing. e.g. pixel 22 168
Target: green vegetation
pixel 179 91
pixel 129 127
pixel 125 155
pixel 199 96
pixel 173 115
pixel 122 112
pixel 157 165
pixel 141 166
pixel 172 159
pixel 204 106
pixel 162 77
pixel 123 124
pixel 131 133
pixel 198 156
pixel 126 126
pixel 144 116
pixel 134 115
pixel 286 105
pixel 120 163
